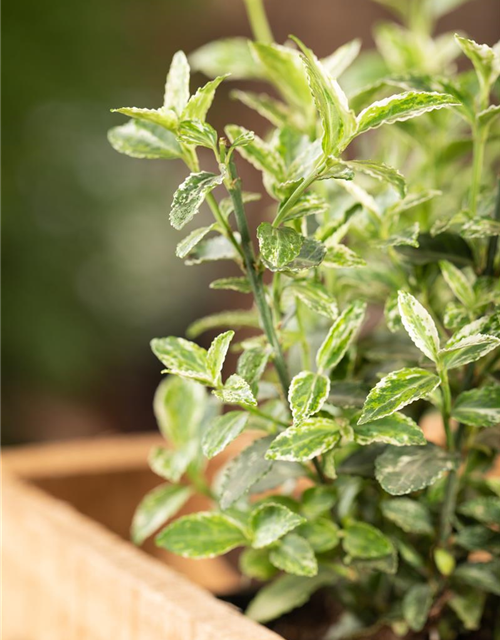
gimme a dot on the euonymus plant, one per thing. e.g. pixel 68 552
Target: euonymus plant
pixel 373 303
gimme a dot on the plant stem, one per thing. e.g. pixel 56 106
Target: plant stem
pixel 234 189
pixel 258 21
pixel 451 490
pixel 477 166
pixel 265 416
pixel 446 411
pixel 306 352
pixel 493 241
pixel 222 222
pixel 312 177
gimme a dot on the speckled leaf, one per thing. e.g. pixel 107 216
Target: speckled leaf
pixel 196 133
pixel 458 283
pixel 157 506
pixel 469 607
pixel 362 540
pixel 228 55
pixel 305 440
pixel 186 245
pixel 164 118
pixel 177 85
pixel 416 606
pixel 237 318
pixel 418 323
pixel 307 394
pixel 341 257
pixel 405 237
pixel 217 354
pixel 171 464
pixel 244 471
pixel 222 431
pixel 182 357
pixel 236 390
pixel 396 429
pixel 402 106
pixel 311 255
pixel 257 152
pixel 485 509
pixel 211 250
pixel 270 522
pixel 468 350
pixel 278 246
pixel 391 314
pixel 478 407
pixel 316 297
pixel 397 390
pixel 294 555
pixel 201 535
pixel 382 172
pixel 486 60
pixel 251 365
pixel 240 284
pixel 254 563
pixel 401 470
pixel 179 406
pixel 322 534
pixel 409 515
pixel 338 61
pixel 199 104
pixel 144 140
pixel 340 336
pixel 339 122
pixel 480 575
pixel 190 195
pixel 273 110
pixel 308 204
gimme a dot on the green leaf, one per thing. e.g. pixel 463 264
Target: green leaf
pixel 278 246
pixel 396 429
pixel 316 297
pixel 405 237
pixel 409 515
pixel 478 538
pixel 171 464
pixel 236 390
pixel 244 471
pixel 307 394
pixel 179 406
pixel 412 200
pixel 217 354
pixel 458 283
pixel 445 561
pixel 485 509
pixel 144 140
pixel 229 55
pixel 162 117
pixel 240 284
pixel 283 68
pixel 317 501
pixel 254 563
pixel 157 506
pixel 486 60
pixel 337 62
pixel 199 104
pixel 340 336
pixel 478 407
pixel 489 115
pixel 294 555
pixel 236 319
pixel 401 470
pixel 391 314
pixel 202 535
pixel 190 195
pixel 311 255
pixel 305 440
pixel 402 107
pixel 341 257
pixel 257 152
pixel 322 534
pixel 468 350
pixel 348 394
pixel 211 250
pixel 469 607
pixel 362 540
pixel 177 84
pixel 397 390
pixel 273 110
pixel 251 365
pixel 196 133
pixel 182 357
pixel 480 575
pixel 380 171
pixel 185 246
pixel 270 522
pixel 307 205
pixel 284 594
pixel 339 122
pixel 417 603
pixel 418 323
pixel 222 431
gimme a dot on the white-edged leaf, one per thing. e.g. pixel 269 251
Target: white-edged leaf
pixel 278 246
pixel 382 172
pixel 217 354
pixel 144 140
pixel 322 534
pixel 458 283
pixel 402 106
pixel 199 103
pixel 251 365
pixel 396 429
pixel 417 603
pixel 341 257
pixel 307 393
pixel 270 522
pixel 401 470
pixel 236 318
pixel 257 152
pixel 228 55
pixel 190 195
pixel 182 357
pixel 273 110
pixel 162 117
pixel 486 60
pixel 478 407
pixel 240 284
pixel 340 336
pixel 419 324
pixel 222 431
pixel 409 515
pixel 211 250
pixel 294 555
pixel 407 236
pixel 185 246
pixel 305 440
pixel 157 506
pixel 177 84
pixel 362 540
pixel 236 390
pixel 397 390
pixel 468 350
pixel 172 464
pixel 338 61
pixel 487 116
pixel 316 298
pixel 196 133
pixel 202 535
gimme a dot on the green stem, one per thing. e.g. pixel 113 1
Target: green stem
pixel 477 166
pixel 222 222
pixel 493 241
pixel 446 410
pixel 258 21
pixel 312 177
pixel 304 344
pixel 234 189
pixel 265 416
pixel 450 498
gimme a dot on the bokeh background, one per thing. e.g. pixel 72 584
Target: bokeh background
pixel 89 270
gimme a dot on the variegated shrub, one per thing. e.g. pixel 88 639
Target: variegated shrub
pixel 373 306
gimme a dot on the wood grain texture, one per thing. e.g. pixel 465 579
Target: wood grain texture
pixel 67 576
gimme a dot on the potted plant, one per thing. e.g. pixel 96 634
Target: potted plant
pixel 374 301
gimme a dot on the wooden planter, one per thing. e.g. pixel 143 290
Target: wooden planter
pixel 69 571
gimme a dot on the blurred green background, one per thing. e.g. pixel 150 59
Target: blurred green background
pixel 89 271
